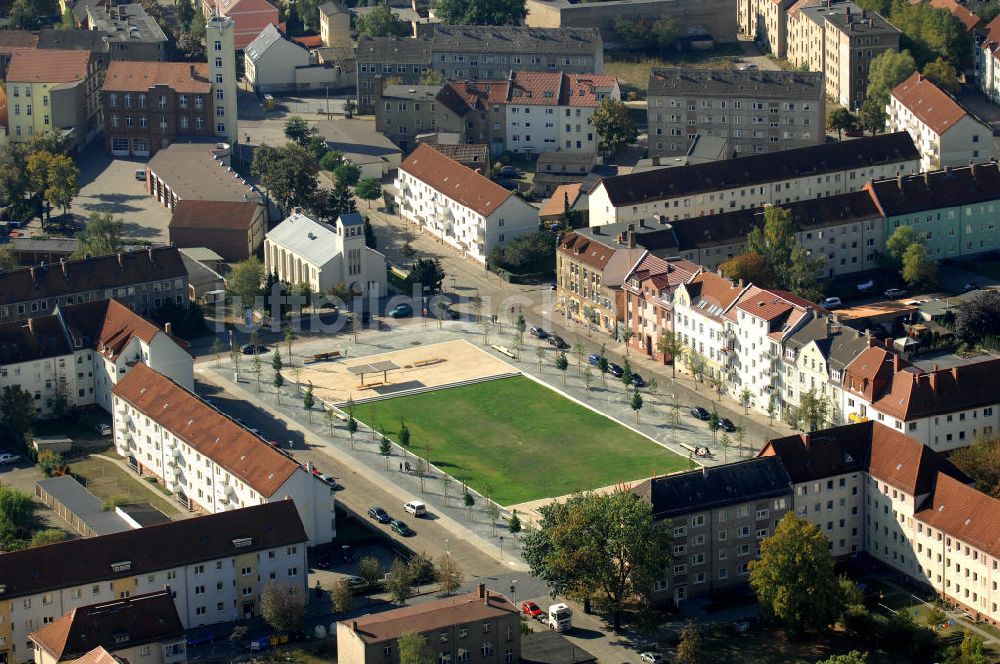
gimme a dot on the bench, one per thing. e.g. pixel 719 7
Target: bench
pixel 368 386
pixel 319 357
pixel 503 350
pixel 424 363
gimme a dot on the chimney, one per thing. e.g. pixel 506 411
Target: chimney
pixel 741 283
pixel 149 251
pixel 481 589
pixel 899 182
pixel 31 325
pixel 954 374
pixel 168 327
pixel 354 625
pixel 296 210
pixel 927 179
pixel 895 363
pixel 31 271
pixel 121 266
pixel 932 379
pixel 62 263
pixel 972 170
pixel 630 238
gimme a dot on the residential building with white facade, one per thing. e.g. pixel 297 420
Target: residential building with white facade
pixel 699 308
pixel 987 54
pixel 215 566
pixel 303 250
pixel 82 350
pixel 755 111
pixel 802 174
pixel 945 131
pixel 466 210
pixel 212 463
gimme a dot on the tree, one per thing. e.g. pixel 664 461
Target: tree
pixel 813 409
pixel 288 173
pixel 887 70
pixel 431 77
pixel 413 649
pixel 919 269
pixel 841 120
pixel 449 574
pixel 935 616
pixel 399 581
pixel 644 33
pixel 793 269
pixel 385 449
pixel 342 596
pixel 332 203
pixel 514 523
pixel 603 547
pixel 347 173
pixel 283 607
pixel 871 117
pixel 670 345
pixel 746 396
pixel 369 190
pixel 330 419
pixel 298 130
pixel 308 401
pixel 370 571
pixel 978 317
pixel 185 13
pixel 636 404
pixel 942 74
pixel 588 378
pixel 352 428
pixel 371 241
pixel 278 382
pixel 689 650
pixel 68 21
pixel 562 364
pixel 18 408
pixel 970 651
pixel 853 657
pixel 469 504
pixel 532 252
pixel 481 12
pixel 427 273
pixel 244 281
pixel 794 577
pixel 350 106
pixel 189 46
pixel 898 243
pixel 48 536
pixel 61 184
pixel 101 236
pixel 29 14
pixel 8 259
pixel 751 267
pixel 614 125
pixel 48 462
pixel 604 367
pixel 381 22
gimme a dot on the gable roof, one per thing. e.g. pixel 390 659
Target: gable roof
pixel 48 66
pixel 964 513
pixel 106 325
pixel 903 462
pixel 480 604
pixel 663 273
pixel 586 250
pixel 928 103
pixel 556 203
pixel 664 183
pixel 230 215
pixel 118 624
pixel 130 76
pixel 913 395
pixel 951 187
pixel 714 487
pixel 153 548
pixel 216 436
pixel 712 295
pixel 313 241
pixel 267 38
pixel 33 339
pixel 455 181
pixel 100 656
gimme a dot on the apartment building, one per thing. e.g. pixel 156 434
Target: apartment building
pixel 403 112
pixel 699 321
pixel 765 22
pixel 132 33
pixel 481 626
pixel 591 266
pixel 648 290
pixel 167 431
pixel 944 409
pixel 987 54
pixel 806 23
pixel 461 207
pixel 53 91
pixel 303 250
pixel 147 105
pixel 470 52
pixel 851 40
pixel 142 628
pixel 755 111
pixel 718 515
pixel 953 210
pixel 802 174
pixel 142 280
pixel 946 132
pixel 215 566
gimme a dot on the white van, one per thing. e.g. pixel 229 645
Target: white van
pixel 416 508
pixel 832 303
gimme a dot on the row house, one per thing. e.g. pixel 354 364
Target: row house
pixel 167 431
pixel 79 353
pixel 942 408
pixel 946 132
pixel 215 567
pixel 143 280
pixel 755 111
pixel 987 55
pixel 754 181
pixel 460 206
pixel 699 309
pixel 648 290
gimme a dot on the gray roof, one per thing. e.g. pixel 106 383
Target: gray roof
pixel 267 38
pixel 814 330
pixel 305 237
pixel 551 647
pixel 192 171
pixel 87 507
pixel 54 244
pixel 351 219
pixel 846 346
pixel 735 83
pixel 517 39
pixel 712 488
pixel 404 14
pixel 331 8
pixel 413 92
pixel 335 54
pixel 357 139
pixel 849 20
pixel 199 274
pixel 817 13
pixel 74 40
pixel 125 23
pixel 396 50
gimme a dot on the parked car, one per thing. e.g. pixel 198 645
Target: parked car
pixel 401 310
pixel 894 292
pixel 250 349
pixel 854 133
pixel 347 553
pixel 530 609
pixel 638 381
pixel 355 581
pixel 510 172
pixel 379 514
pixel 831 303
pixel 594 359
pixel 558 342
pixel 400 528
pixel 538 332
pixel 7 457
pixel 615 370
pixel 727 425
pixel 140 175
pixel 701 413
pixel 103 429
pixel 651 657
pixel 329 479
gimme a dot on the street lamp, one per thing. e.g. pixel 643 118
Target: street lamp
pixel 501 547
pixel 447 547
pixel 513 591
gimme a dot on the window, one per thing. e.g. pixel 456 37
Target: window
pixel 387 651
pixel 487 649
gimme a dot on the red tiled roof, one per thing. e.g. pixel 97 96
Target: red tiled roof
pixel 126 76
pixel 765 305
pixel 586 250
pixel 48 66
pixel 455 181
pixel 715 290
pixel 107 326
pixel 309 41
pixel 12 39
pixel 459 96
pixel 872 371
pixel 232 215
pixel 557 201
pixel 901 461
pixel 99 656
pixel 964 513
pixel 963 14
pixel 205 429
pixel 930 104
pixel 913 395
pixel 662 273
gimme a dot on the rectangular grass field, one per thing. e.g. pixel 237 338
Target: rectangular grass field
pixel 520 439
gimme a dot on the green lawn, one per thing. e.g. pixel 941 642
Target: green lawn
pixel 520 439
